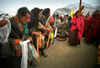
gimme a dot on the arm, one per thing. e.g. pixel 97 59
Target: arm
pixel 48 24
pixel 11 48
pixel 42 27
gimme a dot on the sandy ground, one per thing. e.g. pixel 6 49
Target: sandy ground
pixel 63 55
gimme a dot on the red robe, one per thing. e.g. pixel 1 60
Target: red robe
pixel 90 28
pixel 77 23
pixel 96 32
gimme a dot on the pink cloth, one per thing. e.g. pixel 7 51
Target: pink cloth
pixel 77 23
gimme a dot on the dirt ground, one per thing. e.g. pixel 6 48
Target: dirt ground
pixel 63 55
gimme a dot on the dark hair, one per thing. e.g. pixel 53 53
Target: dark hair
pixel 34 16
pixel 22 11
pixel 76 13
pixel 57 15
pixel 95 12
pixel 46 11
pixel 67 15
pixel 41 9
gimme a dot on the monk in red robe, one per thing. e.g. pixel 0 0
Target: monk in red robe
pixel 76 30
pixel 90 24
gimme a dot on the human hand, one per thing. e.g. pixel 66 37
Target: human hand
pixel 28 40
pixel 48 29
pixel 55 27
pixel 36 33
pixel 3 22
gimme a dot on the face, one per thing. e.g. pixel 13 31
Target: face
pixel 25 19
pixel 77 14
pixel 47 15
pixel 39 15
pixel 97 13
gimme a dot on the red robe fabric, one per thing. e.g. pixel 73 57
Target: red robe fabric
pixel 96 29
pixel 90 31
pixel 96 32
pixel 77 23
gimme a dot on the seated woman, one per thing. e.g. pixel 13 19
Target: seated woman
pixel 63 30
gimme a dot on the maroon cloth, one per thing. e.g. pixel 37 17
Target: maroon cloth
pixel 87 23
pixel 73 37
pixel 96 32
pixel 85 26
pixel 98 40
pixel 88 35
pixel 96 29
pixel 90 27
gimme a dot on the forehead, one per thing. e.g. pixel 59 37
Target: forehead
pixel 28 15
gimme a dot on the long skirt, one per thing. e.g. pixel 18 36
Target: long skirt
pixel 73 37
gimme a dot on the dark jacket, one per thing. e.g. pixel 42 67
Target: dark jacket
pixel 11 51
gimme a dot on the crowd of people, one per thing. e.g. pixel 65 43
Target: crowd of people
pixel 38 22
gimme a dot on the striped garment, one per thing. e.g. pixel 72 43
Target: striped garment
pixel 98 55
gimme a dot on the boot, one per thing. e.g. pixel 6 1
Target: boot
pixel 43 53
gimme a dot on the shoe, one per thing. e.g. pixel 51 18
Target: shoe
pixel 52 42
pixel 88 43
pixel 73 44
pixel 44 54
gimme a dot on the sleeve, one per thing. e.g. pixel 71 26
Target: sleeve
pixel 41 21
pixel 29 32
pixel 73 21
pixel 40 26
pixel 48 24
pixel 80 23
pixel 30 24
pixel 51 24
pixel 11 48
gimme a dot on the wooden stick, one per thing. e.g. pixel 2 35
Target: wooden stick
pixel 80 8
